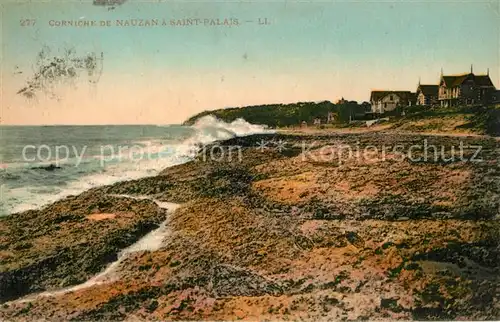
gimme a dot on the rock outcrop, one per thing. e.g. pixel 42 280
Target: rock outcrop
pixel 283 233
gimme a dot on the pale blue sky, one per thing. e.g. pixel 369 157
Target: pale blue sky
pixel 311 51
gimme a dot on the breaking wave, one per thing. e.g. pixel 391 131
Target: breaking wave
pixel 138 151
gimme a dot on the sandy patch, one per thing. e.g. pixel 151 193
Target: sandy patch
pixel 347 130
pixel 101 216
pixel 350 192
pixel 291 189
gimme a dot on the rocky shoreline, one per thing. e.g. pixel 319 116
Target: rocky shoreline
pixel 285 232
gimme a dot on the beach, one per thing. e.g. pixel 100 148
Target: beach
pixel 289 226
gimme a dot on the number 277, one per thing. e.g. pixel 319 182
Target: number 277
pixel 27 22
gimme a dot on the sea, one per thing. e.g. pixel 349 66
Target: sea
pixel 41 164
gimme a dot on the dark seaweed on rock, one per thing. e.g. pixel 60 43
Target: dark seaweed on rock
pixel 277 235
pixel 66 260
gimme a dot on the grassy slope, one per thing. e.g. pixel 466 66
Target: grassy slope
pixel 478 120
pixel 473 120
pixel 274 115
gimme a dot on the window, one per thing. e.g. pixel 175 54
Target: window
pixel 391 97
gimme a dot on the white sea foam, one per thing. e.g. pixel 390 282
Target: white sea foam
pixel 238 127
pixel 90 174
pixel 210 129
pixel 150 242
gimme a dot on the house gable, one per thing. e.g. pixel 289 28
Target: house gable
pixel 428 90
pixel 454 80
pixel 377 96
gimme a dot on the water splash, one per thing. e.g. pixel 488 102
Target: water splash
pixel 150 242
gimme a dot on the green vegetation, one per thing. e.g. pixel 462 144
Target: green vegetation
pixel 478 119
pixel 475 119
pixel 282 115
pixel 487 119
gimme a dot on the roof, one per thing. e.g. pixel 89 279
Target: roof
pixel 483 80
pixel 378 95
pixel 429 90
pixel 457 80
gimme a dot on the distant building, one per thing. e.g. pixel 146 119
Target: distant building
pixel 367 107
pixel 452 90
pixel 495 97
pixel 330 117
pixel 341 101
pixel 427 94
pixel 412 99
pixel 386 101
pixel 466 89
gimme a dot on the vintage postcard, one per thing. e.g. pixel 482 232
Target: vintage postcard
pixel 256 160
